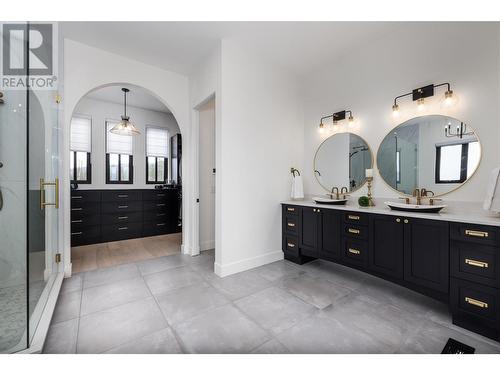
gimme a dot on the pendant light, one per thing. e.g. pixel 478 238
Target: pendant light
pixel 125 127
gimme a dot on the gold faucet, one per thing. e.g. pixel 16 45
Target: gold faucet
pixel 417 194
pixel 335 190
pixel 344 192
pixel 425 193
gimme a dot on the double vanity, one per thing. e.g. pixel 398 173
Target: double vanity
pixel 443 256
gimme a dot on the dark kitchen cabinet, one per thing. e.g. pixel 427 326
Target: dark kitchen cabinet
pixel 329 236
pixel 426 253
pixel 309 224
pixel 386 245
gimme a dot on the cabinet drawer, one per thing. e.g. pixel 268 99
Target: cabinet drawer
pixel 115 232
pixel 85 196
pixel 291 245
pixel 132 217
pixel 153 228
pixel 81 208
pixel 356 231
pixel 159 215
pixel 355 252
pixel 479 234
pixel 119 207
pixel 475 301
pixel 291 224
pixel 355 218
pixel 121 196
pixel 84 236
pixel 155 195
pixel 158 206
pixel 85 220
pixel 475 263
pixel 290 210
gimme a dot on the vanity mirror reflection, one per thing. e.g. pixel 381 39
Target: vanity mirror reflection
pixel 435 152
pixel 341 161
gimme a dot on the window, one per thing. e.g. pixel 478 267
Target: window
pixel 156 155
pixel 455 163
pixel 80 148
pixel 119 159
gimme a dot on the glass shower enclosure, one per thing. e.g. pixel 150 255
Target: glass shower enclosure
pixel 28 191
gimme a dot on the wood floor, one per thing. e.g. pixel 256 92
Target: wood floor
pixel 91 257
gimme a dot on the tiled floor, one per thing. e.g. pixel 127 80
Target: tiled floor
pixel 175 304
pixel 91 257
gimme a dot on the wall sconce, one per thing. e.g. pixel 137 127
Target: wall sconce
pixel 336 117
pixel 421 93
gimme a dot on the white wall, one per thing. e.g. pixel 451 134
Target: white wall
pixel 87 68
pixel 367 79
pixel 207 177
pixel 261 138
pixel 100 111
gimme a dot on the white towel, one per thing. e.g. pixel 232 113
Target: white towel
pixel 492 199
pixel 297 187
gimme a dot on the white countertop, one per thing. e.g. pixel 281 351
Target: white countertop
pixel 462 212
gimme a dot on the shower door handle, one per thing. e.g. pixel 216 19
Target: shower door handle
pixel 43 184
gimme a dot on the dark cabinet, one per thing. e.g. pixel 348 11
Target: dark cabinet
pixel 386 245
pixel 309 231
pixel 426 248
pixel 329 236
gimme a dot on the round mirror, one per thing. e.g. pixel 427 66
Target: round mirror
pixel 435 152
pixel 341 161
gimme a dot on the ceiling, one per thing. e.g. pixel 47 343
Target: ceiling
pixel 137 97
pixel 300 47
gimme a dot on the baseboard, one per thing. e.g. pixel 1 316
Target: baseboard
pixel 207 245
pixel 223 270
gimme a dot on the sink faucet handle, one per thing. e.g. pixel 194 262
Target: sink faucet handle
pixel 432 200
pixel 407 199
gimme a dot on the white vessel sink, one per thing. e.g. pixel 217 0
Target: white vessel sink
pixel 323 200
pixel 415 207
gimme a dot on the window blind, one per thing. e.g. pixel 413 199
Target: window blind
pixel 115 143
pixel 156 142
pixel 81 134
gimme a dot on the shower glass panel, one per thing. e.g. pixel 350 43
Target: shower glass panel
pixel 28 228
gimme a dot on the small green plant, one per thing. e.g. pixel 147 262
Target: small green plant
pixel 364 201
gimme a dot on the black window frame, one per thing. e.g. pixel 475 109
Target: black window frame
pixel 165 170
pixel 463 164
pixel 131 169
pixel 88 180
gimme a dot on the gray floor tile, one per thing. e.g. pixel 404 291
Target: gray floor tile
pixel 384 322
pixel 147 267
pixel 72 284
pixel 322 335
pixel 109 275
pixel 221 330
pixel 336 273
pixel 273 346
pixel 61 338
pixel 119 325
pixel 67 307
pixel 278 270
pixel 110 295
pixel 275 309
pixel 239 285
pixel 161 342
pixel 318 292
pixel 165 281
pixel 187 302
pixel 432 337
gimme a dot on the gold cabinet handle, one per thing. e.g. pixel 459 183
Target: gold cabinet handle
pixel 398 220
pixel 354 251
pixel 476 233
pixel 291 224
pixel 475 302
pixel 354 231
pixel 290 209
pixel 43 184
pixel 353 217
pixel 290 244
pixel 476 263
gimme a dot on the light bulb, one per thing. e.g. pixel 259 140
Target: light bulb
pixel 395 110
pixel 420 104
pixel 350 120
pixel 449 99
pixel 335 126
pixel 321 127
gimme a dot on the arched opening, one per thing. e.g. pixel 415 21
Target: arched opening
pixel 126 190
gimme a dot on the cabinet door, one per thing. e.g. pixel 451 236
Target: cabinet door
pixel 309 231
pixel 329 234
pixel 386 245
pixel 427 253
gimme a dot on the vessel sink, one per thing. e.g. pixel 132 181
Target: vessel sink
pixel 428 208
pixel 322 200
